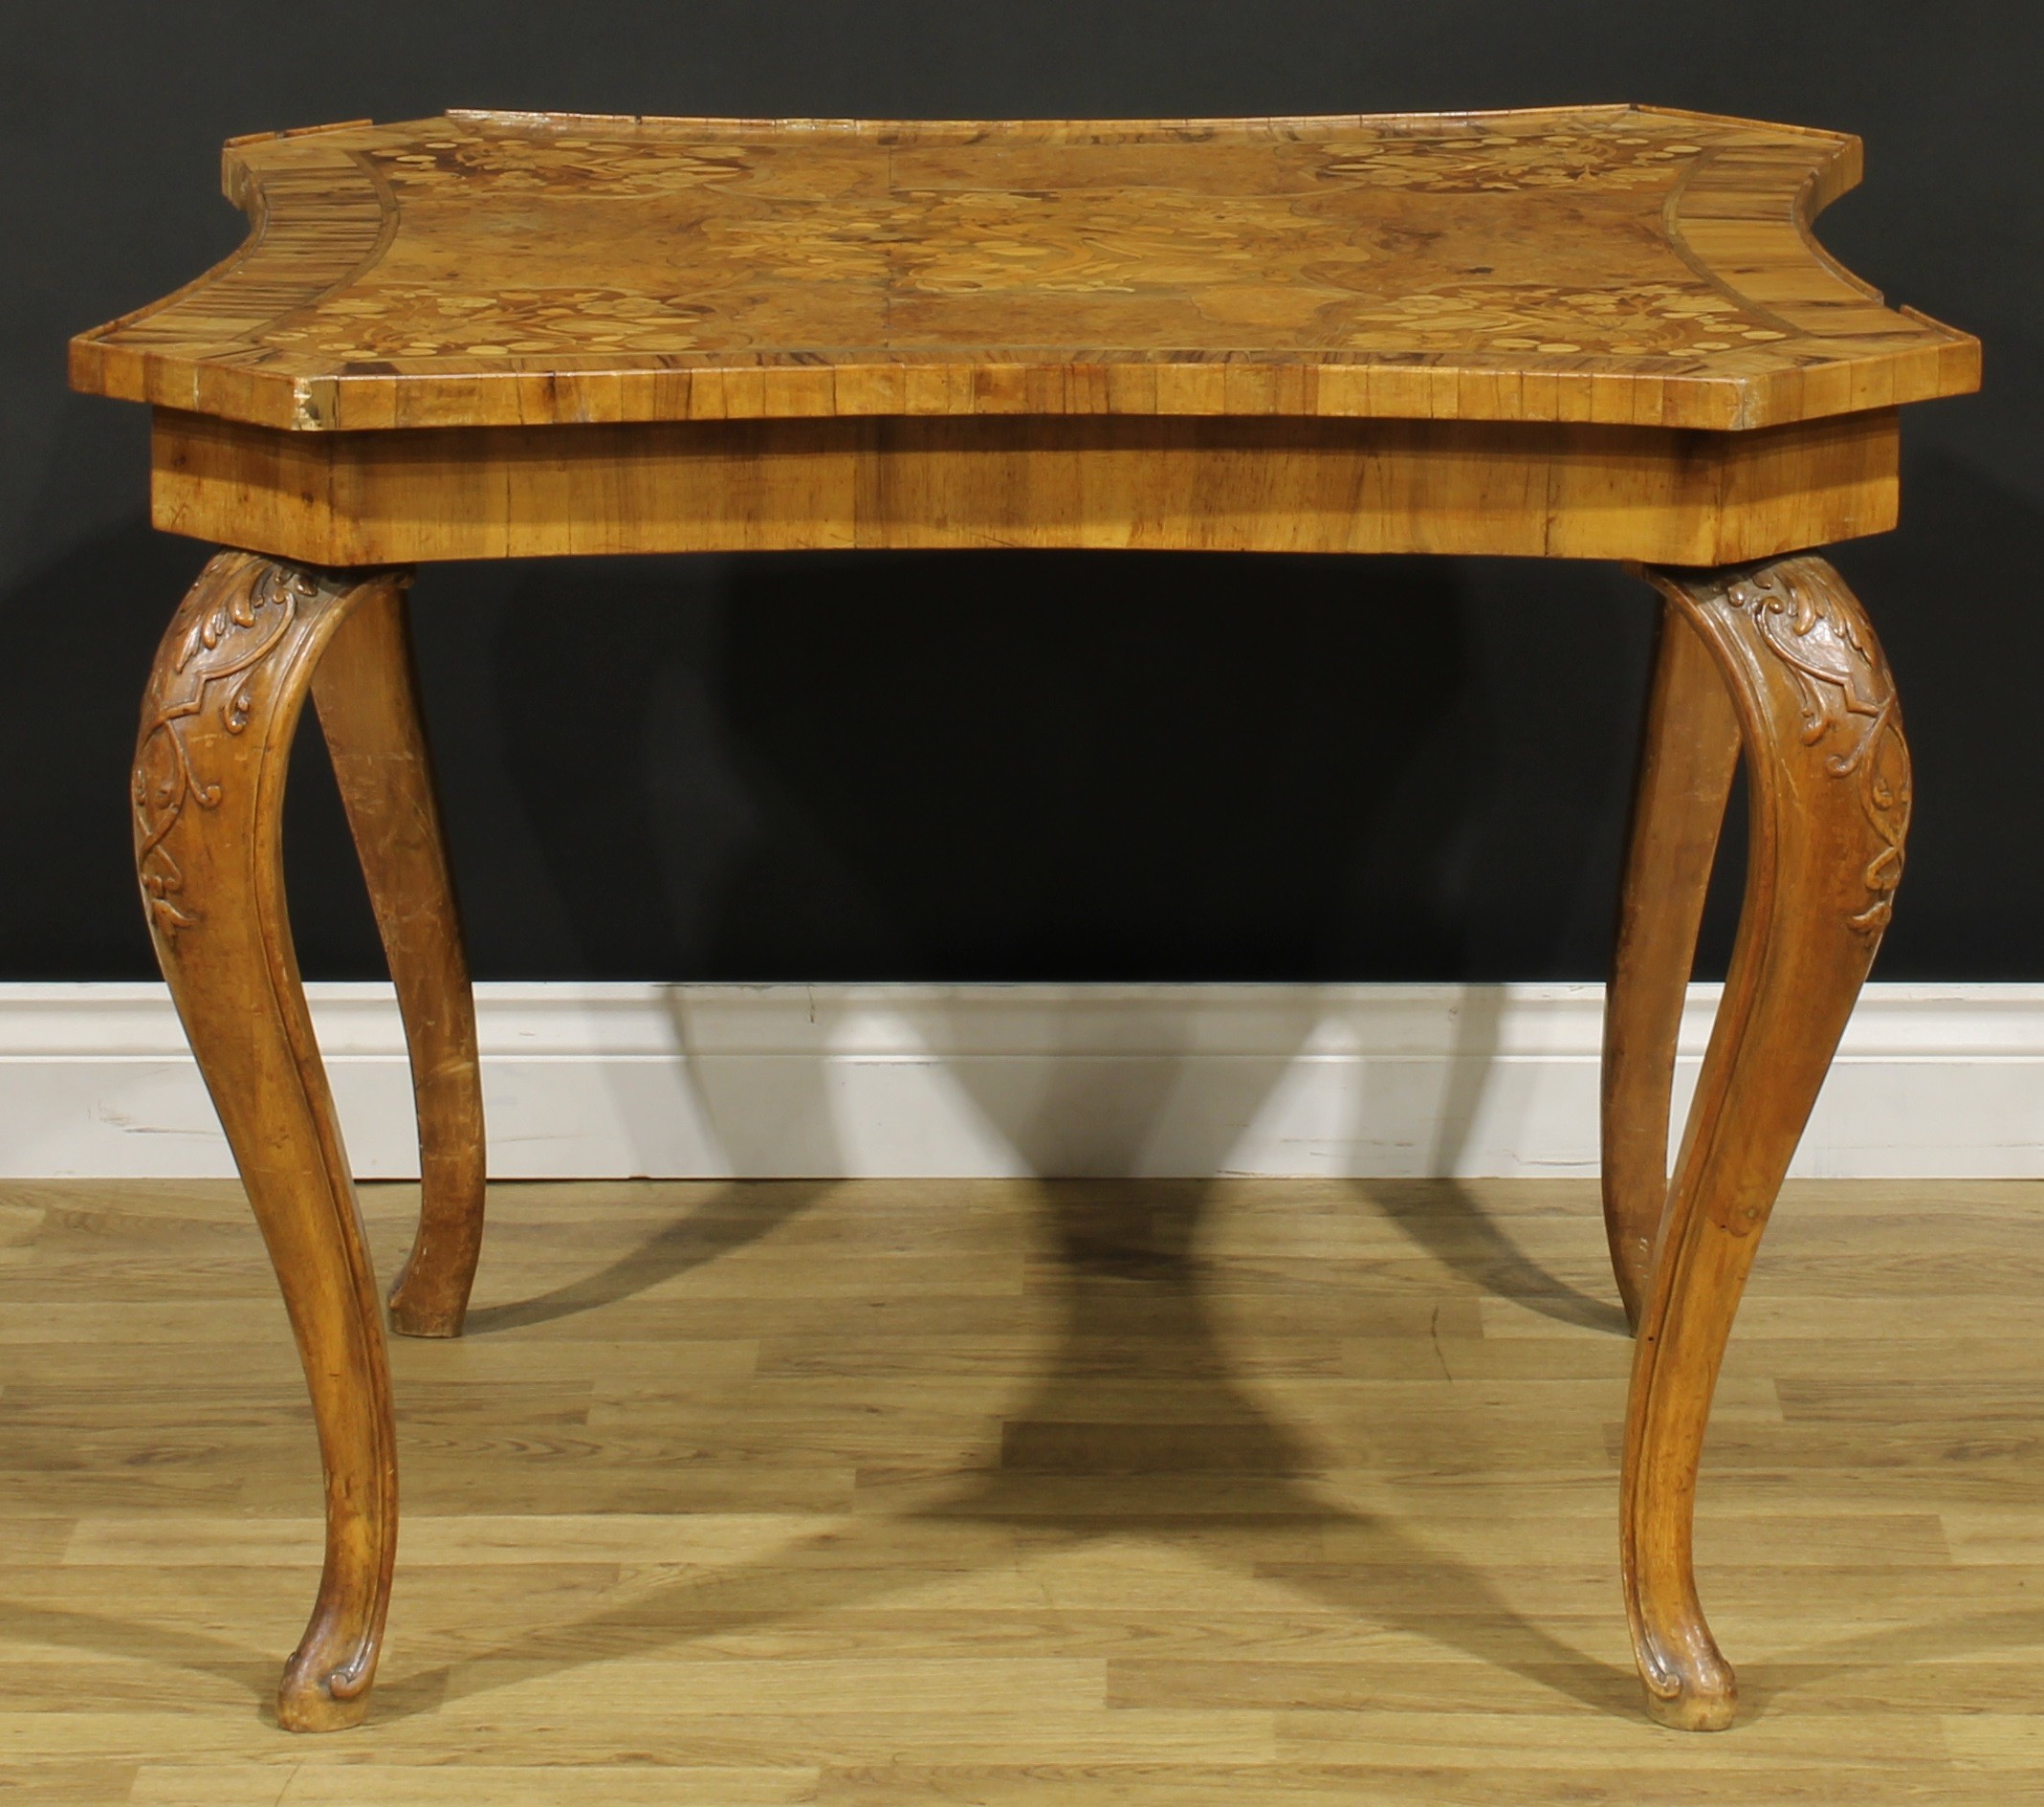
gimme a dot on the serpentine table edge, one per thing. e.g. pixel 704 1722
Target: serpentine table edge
pixel 1592 332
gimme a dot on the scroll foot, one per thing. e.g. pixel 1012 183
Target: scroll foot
pixel 219 716
pixel 1828 772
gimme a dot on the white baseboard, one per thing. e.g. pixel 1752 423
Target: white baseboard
pixel 676 1081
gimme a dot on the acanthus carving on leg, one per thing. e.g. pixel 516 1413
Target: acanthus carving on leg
pixel 1829 788
pixel 234 618
pixel 1811 623
pixel 222 704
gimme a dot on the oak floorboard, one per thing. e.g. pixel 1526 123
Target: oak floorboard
pixel 922 1494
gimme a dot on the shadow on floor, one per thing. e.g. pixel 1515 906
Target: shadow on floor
pixel 1078 1462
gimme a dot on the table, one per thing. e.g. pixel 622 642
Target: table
pixel 1591 333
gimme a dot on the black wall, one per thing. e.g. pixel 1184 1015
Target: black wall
pixel 988 766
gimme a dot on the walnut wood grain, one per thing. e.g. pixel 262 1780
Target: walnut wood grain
pixel 366 694
pixel 1600 332
pixel 1690 750
pixel 1158 485
pixel 1828 775
pixel 1612 264
pixel 219 716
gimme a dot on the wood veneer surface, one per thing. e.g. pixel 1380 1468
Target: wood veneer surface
pixel 1617 264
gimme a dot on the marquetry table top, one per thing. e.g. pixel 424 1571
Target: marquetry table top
pixel 1628 264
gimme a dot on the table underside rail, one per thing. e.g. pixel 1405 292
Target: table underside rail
pixel 1177 484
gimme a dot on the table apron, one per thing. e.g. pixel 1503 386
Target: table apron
pixel 1176 483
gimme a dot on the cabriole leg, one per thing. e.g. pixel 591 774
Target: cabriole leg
pixel 367 697
pixel 1827 778
pixel 219 716
pixel 1689 749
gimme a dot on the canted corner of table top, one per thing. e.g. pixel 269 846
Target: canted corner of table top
pixel 1611 265
pixel 1588 331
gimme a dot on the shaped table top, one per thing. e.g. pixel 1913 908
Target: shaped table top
pixel 1613 264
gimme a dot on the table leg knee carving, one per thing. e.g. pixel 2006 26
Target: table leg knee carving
pixel 366 694
pixel 1689 749
pixel 219 716
pixel 1829 782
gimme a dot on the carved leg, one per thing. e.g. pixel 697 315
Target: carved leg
pixel 1828 772
pixel 1689 749
pixel 367 699
pixel 217 719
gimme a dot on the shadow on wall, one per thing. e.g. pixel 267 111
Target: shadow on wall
pixel 1953 594
pixel 1000 766
pixel 936 766
pixel 80 632
pixel 1035 766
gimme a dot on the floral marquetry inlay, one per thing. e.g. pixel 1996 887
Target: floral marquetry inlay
pixel 1604 263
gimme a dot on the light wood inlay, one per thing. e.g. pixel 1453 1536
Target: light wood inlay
pixel 1621 265
pixel 1599 332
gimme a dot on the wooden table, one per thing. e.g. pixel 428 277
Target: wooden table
pixel 1591 333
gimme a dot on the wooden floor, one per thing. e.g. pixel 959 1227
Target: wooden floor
pixel 884 1494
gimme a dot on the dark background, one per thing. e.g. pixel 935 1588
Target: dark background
pixel 1012 766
